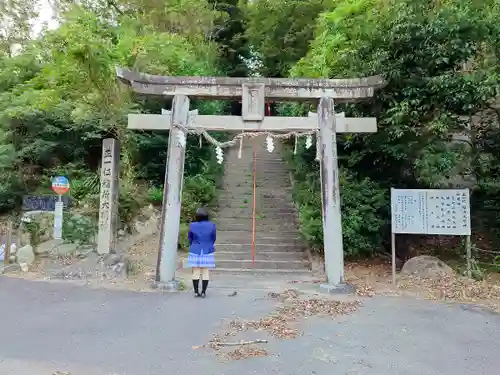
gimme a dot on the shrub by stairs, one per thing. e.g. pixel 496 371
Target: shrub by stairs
pixel 279 247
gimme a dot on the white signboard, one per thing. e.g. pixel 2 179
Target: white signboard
pixel 431 211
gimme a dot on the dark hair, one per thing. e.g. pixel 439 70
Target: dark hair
pixel 201 214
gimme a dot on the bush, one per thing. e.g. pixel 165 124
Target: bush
pixel 199 190
pixel 364 206
pixel 155 196
pixel 131 200
pixel 10 191
pixel 183 237
pixel 85 187
pixel 79 229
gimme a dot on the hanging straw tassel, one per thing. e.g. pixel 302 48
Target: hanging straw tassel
pixel 318 145
pixel 240 149
pixel 295 145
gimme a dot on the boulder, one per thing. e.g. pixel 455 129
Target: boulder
pixel 65 250
pixel 56 248
pixel 47 247
pixel 10 268
pixel 147 221
pixel 26 255
pixel 24 267
pixel 426 266
pixel 45 221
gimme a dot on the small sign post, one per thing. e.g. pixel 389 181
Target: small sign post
pixel 430 211
pixel 60 186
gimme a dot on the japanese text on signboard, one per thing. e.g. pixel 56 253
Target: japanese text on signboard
pixel 430 211
pixel 106 183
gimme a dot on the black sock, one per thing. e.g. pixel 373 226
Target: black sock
pixel 204 285
pixel 195 285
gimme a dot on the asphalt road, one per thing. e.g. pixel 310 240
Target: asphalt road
pixel 61 326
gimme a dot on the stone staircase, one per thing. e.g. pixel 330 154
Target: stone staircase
pixel 279 247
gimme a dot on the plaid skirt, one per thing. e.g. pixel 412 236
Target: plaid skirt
pixel 201 261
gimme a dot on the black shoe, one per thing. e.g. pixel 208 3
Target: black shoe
pixel 196 295
pixel 203 295
pixel 196 284
pixel 204 287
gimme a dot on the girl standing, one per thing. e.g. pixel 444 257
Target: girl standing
pixel 201 237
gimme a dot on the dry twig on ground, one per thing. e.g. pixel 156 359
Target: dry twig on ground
pixel 280 323
pixel 220 344
pixel 246 352
pixel 375 279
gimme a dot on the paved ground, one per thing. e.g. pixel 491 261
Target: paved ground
pixel 60 326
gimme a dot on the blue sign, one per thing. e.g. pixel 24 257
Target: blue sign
pixel 43 203
pixel 60 185
pixel 60 180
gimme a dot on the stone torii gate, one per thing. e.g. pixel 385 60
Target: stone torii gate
pixel 253 93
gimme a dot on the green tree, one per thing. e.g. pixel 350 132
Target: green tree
pixel 60 97
pixel 421 49
pixel 280 32
pixel 15 27
pixel 231 38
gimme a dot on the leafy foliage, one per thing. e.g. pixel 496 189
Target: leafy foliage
pixel 363 206
pixel 420 51
pixel 280 32
pixel 440 64
pixel 60 98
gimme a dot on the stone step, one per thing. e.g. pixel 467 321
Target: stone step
pixel 244 222
pixel 281 204
pixel 290 243
pixel 261 163
pixel 235 169
pixel 267 195
pixel 247 178
pixel 241 215
pixel 273 172
pixel 262 215
pixel 244 182
pixel 281 199
pixel 247 201
pixel 238 203
pixel 239 233
pixel 261 154
pixel 265 169
pixel 260 219
pixel 240 211
pixel 279 245
pixel 259 230
pixel 231 238
pixel 262 264
pixel 262 168
pixel 237 189
pixel 261 255
pixel 275 227
pixel 260 247
pixel 258 272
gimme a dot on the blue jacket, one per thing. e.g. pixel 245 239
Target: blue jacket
pixel 202 236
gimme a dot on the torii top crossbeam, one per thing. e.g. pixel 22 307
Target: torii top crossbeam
pixel 298 89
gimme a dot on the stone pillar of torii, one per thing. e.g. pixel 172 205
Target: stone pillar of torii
pixel 253 93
